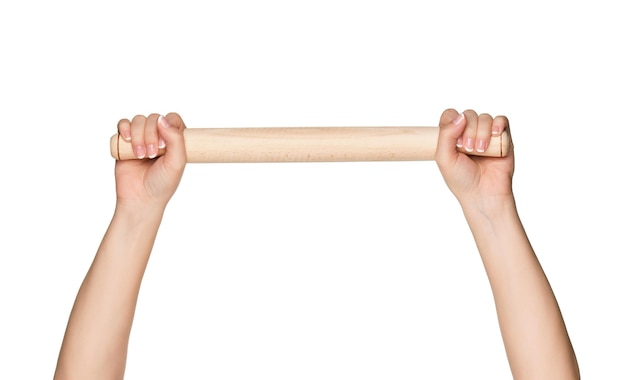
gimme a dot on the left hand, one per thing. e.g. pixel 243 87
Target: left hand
pixel 150 180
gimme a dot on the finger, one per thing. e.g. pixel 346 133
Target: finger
pixel 175 120
pixel 469 135
pixel 451 129
pixel 123 129
pixel 451 126
pixel 483 132
pixel 500 123
pixel 137 132
pixel 447 116
pixel 151 136
pixel 171 129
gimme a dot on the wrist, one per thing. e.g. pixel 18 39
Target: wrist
pixel 490 207
pixel 139 210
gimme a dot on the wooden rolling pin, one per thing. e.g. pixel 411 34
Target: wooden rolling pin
pixel 311 144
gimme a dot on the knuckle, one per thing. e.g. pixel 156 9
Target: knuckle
pixel 175 119
pixel 447 116
pixel 123 124
pixel 138 119
pixel 470 113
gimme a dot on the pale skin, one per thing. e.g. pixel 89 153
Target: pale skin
pixel 535 338
pixel 534 334
pixel 96 338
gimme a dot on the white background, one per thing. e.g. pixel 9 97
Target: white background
pixel 311 271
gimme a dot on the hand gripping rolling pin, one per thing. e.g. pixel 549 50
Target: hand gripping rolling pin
pixel 311 144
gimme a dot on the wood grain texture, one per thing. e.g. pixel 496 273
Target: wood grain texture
pixel 310 144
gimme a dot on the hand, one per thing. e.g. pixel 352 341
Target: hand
pixel 149 180
pixel 473 179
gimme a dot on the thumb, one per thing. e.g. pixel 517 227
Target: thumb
pixel 451 127
pixel 171 129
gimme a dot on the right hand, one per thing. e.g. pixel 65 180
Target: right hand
pixel 151 180
pixel 474 180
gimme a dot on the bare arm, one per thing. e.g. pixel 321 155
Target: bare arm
pixel 534 333
pixel 96 339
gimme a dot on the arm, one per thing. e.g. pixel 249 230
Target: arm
pixel 96 339
pixel 534 333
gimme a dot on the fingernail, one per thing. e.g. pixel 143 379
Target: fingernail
pixel 469 144
pixel 457 120
pixel 161 143
pixel 140 152
pixel 459 142
pixel 125 135
pixel 495 131
pixel 163 121
pixel 152 151
pixel 480 146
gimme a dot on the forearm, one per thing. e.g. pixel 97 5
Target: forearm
pixel 96 339
pixel 534 334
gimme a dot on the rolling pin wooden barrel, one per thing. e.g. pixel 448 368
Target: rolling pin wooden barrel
pixel 311 144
